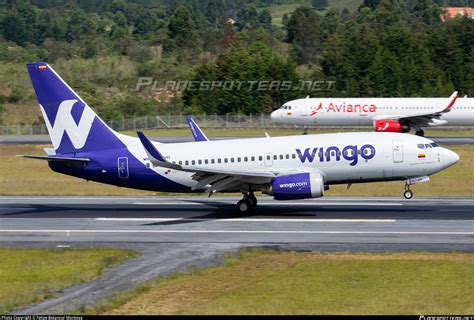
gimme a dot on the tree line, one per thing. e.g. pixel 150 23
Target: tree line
pixel 384 48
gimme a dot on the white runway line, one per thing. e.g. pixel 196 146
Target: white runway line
pixel 241 231
pixel 240 220
pixel 273 203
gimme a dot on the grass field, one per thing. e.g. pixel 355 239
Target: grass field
pixel 31 275
pixel 268 282
pixel 277 11
pixel 21 176
pixel 464 132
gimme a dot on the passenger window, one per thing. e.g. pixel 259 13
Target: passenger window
pixel 246 159
pixel 213 161
pixel 187 162
pixel 239 159
pixel 275 157
pixel 293 156
pixel 193 162
pixel 226 160
pixel 180 163
pixel 219 160
pixel 252 158
pixel 261 158
pixel 281 157
pixel 199 161
pixel 232 159
pixel 206 161
pixel 288 156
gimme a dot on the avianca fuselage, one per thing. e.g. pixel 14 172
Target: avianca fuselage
pixel 295 167
pixel 384 114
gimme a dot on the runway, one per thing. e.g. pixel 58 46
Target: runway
pixel 178 233
pixel 390 222
pixel 44 139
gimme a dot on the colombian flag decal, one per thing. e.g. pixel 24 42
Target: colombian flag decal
pixel 421 155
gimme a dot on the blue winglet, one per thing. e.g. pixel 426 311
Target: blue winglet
pixel 150 148
pixel 196 131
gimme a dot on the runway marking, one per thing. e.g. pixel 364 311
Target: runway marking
pixel 242 220
pixel 243 231
pixel 274 203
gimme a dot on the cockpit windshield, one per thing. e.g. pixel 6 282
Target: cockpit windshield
pixel 286 107
pixel 427 145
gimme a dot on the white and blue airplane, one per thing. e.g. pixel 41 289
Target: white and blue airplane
pixel 295 167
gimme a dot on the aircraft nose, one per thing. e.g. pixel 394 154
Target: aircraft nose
pixel 450 158
pixel 274 116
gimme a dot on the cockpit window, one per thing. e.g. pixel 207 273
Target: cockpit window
pixel 286 107
pixel 434 145
pixel 421 146
pixel 428 146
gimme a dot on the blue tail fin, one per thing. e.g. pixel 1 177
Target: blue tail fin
pixel 72 125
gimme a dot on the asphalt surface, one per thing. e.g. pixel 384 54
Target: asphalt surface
pixel 197 219
pixel 44 139
pixel 176 233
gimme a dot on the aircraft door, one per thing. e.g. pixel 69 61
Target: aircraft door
pixel 122 164
pixel 268 158
pixel 397 147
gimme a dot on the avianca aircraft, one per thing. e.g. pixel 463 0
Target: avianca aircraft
pixel 384 114
pixel 295 167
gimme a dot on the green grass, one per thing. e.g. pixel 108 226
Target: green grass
pixel 277 11
pixel 20 176
pixel 274 132
pixel 32 275
pixel 287 283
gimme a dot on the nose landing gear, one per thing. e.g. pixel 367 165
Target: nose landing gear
pixel 408 194
pixel 248 203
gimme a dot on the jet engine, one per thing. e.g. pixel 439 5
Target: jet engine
pixel 390 126
pixel 296 186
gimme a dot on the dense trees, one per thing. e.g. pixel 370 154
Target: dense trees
pixel 385 48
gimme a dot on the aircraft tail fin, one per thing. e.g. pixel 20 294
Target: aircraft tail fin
pixel 72 125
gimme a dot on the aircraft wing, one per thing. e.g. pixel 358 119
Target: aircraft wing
pixel 425 119
pixel 196 131
pixel 210 179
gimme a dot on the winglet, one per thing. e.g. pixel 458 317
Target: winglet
pixel 196 131
pixel 452 100
pixel 149 148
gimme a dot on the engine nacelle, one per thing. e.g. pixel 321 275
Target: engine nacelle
pixel 296 186
pixel 390 126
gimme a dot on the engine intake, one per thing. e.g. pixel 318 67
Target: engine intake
pixel 296 186
pixel 390 126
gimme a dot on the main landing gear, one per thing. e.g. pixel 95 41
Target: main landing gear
pixel 420 132
pixel 408 194
pixel 305 130
pixel 248 203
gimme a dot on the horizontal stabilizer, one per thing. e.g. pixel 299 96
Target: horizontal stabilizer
pixel 56 159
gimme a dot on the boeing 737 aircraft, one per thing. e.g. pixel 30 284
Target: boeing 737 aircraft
pixel 384 114
pixel 295 167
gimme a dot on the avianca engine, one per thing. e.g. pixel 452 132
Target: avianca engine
pixel 384 114
pixel 287 168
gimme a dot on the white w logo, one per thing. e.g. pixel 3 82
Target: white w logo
pixel 64 122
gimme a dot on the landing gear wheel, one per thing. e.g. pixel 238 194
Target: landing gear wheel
pixel 408 194
pixel 244 206
pixel 305 130
pixel 252 201
pixel 420 133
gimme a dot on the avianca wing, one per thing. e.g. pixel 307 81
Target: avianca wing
pixel 384 114
pixel 295 167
